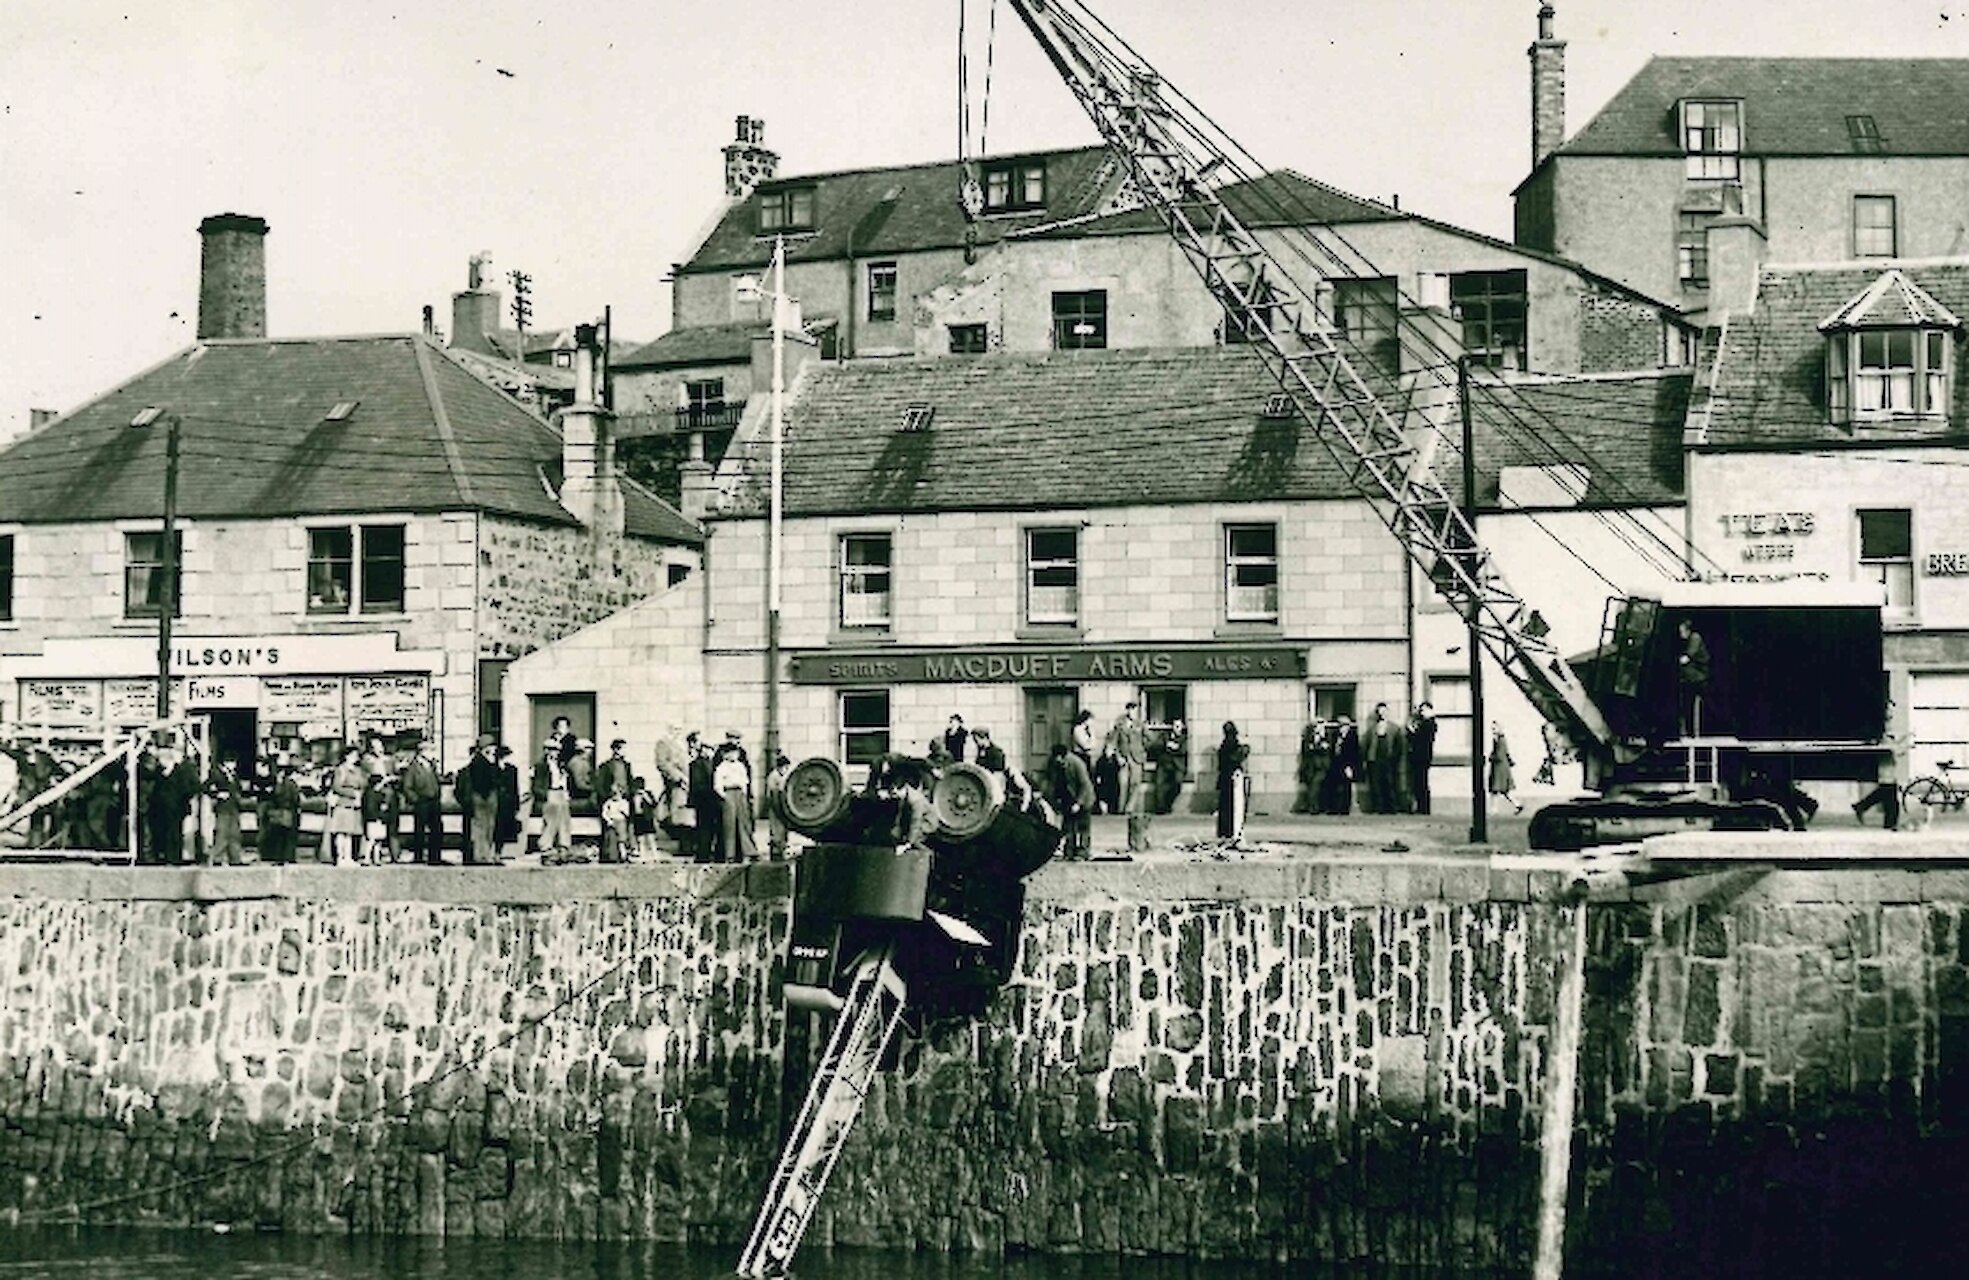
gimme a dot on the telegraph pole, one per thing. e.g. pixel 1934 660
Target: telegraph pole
pixel 170 555
pixel 522 309
pixel 773 530
pixel 1479 812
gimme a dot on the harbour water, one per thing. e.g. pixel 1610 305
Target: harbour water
pixel 135 1254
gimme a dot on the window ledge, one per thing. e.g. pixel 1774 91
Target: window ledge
pixel 1050 631
pixel 1247 630
pixel 851 636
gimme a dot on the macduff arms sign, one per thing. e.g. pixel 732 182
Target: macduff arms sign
pixel 1051 666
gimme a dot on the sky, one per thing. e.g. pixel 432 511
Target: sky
pixel 386 143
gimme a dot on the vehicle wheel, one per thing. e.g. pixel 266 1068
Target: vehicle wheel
pixel 1928 791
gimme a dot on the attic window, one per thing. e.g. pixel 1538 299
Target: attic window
pixel 1884 375
pixel 1015 186
pixel 917 417
pixel 1864 133
pixel 787 209
pixel 1278 406
pixel 342 410
pixel 1712 138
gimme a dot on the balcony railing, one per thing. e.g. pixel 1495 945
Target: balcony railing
pixel 702 417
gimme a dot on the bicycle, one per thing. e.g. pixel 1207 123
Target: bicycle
pixel 1938 793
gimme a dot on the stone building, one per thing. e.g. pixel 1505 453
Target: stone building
pixel 368 534
pixel 1797 159
pixel 1830 448
pixel 1021 537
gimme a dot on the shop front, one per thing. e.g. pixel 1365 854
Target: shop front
pixel 301 695
pixel 1029 697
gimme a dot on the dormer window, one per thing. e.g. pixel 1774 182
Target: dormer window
pixel 1890 355
pixel 1712 138
pixel 1015 187
pixel 1876 375
pixel 786 209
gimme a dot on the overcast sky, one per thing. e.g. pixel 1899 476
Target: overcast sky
pixel 385 146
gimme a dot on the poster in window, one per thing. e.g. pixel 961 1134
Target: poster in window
pixel 129 702
pixel 61 702
pixel 387 704
pixel 308 699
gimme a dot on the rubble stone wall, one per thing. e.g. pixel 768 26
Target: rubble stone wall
pixel 1268 1060
pixel 539 582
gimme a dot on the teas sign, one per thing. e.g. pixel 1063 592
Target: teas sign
pixel 1767 535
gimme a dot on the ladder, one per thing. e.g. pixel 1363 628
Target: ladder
pixel 867 1022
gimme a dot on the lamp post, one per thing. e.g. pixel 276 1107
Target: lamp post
pixel 1479 813
pixel 167 552
pixel 777 293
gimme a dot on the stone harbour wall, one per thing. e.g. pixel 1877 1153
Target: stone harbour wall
pixel 562 1065
pixel 1307 1062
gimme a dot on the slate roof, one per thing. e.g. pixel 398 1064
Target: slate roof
pixel 426 435
pixel 1043 431
pixel 900 209
pixel 700 344
pixel 1769 383
pixel 1626 431
pixel 1281 198
pixel 1791 106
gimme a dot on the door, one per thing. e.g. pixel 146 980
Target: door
pixel 1937 721
pixel 545 708
pixel 1050 714
pixel 234 735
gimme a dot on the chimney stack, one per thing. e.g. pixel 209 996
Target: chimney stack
pixel 232 277
pixel 747 161
pixel 591 490
pixel 1548 90
pixel 475 311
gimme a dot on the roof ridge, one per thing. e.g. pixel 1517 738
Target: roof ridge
pixel 441 419
pixel 777 179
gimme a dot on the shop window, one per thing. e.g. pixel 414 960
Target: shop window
pixel 143 575
pixel 1080 320
pixel 1052 577
pixel 1251 573
pixel 1164 704
pixel 1491 308
pixel 1015 187
pixel 1368 312
pixel 1881 374
pixel 864 720
pixel 968 339
pixel 881 291
pixel 1692 248
pixel 1712 139
pixel 6 577
pixel 1450 696
pixel 787 209
pixel 867 578
pixel 1331 701
pixel 340 581
pixel 1874 227
pixel 1887 554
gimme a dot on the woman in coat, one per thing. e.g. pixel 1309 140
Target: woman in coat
pixel 507 830
pixel 1501 781
pixel 345 806
pixel 1233 784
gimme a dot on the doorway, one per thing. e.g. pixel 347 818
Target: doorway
pixel 233 734
pixel 1050 714
pixel 545 708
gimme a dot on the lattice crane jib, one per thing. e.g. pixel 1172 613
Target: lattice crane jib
pixel 1169 159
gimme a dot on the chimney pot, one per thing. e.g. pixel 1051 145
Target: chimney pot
pixel 232 277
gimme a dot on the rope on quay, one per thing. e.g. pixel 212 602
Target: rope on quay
pixel 74 1214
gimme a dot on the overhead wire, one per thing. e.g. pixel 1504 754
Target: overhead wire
pixel 1678 549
